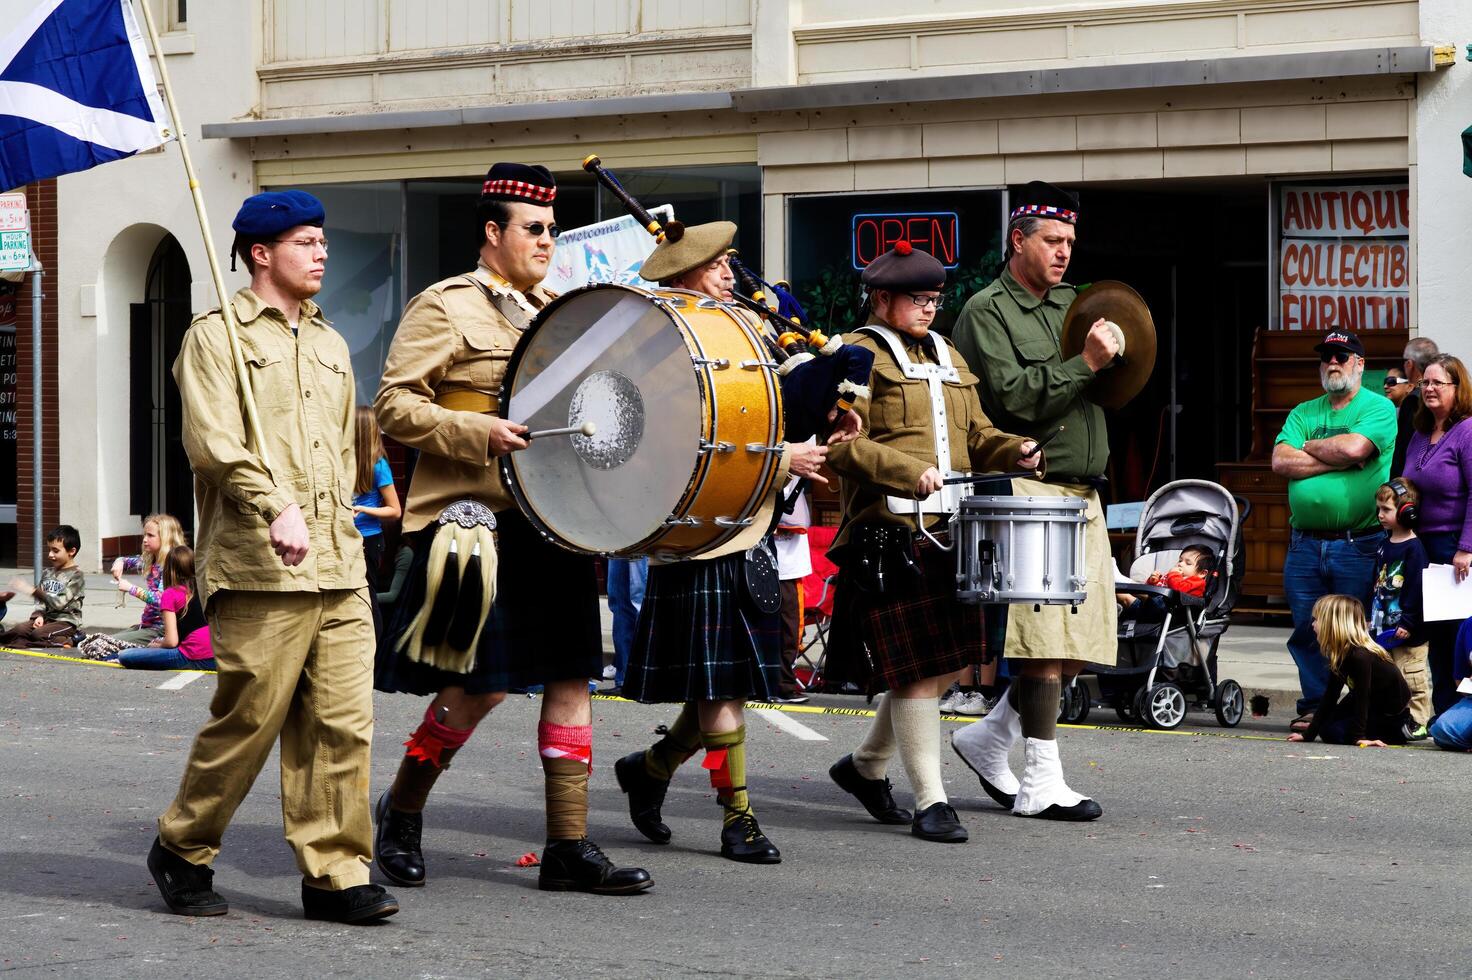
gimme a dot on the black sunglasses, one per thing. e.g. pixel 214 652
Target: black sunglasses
pixel 534 228
pixel 1337 356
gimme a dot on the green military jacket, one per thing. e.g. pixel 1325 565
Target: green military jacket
pixel 897 443
pixel 1011 338
pixel 305 395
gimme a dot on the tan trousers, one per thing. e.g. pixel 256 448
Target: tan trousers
pixel 298 665
pixel 1412 664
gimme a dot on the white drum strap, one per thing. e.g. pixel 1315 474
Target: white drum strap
pixel 934 376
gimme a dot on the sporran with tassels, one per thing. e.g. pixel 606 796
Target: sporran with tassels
pixel 460 586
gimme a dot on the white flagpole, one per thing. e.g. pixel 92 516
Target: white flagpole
pixel 227 311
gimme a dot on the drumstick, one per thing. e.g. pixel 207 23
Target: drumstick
pixel 1017 475
pixel 586 429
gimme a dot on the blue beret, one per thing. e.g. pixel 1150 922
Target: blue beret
pixel 273 212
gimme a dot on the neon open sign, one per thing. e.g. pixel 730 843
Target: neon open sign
pixel 936 232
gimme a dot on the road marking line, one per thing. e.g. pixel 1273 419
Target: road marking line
pixel 772 714
pixel 181 679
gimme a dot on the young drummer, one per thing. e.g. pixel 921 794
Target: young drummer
pixel 897 623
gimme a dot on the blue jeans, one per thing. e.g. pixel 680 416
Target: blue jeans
pixel 161 658
pixel 1315 568
pixel 1453 727
pixel 625 596
pixel 1441 636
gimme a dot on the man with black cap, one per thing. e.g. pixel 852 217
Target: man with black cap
pixel 439 394
pixel 1011 332
pixel 1335 452
pixel 739 656
pixel 282 578
pixel 897 625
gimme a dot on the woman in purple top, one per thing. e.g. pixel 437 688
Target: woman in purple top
pixel 1439 463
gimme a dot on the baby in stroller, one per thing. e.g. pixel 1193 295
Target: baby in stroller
pixel 1188 578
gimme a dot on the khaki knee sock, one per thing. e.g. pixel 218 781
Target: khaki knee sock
pixel 725 757
pixel 681 741
pixel 917 730
pixel 871 758
pixel 1037 704
pixel 414 781
pixel 567 798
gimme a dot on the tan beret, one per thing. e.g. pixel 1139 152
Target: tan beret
pixel 699 245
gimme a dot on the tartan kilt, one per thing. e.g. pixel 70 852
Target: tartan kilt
pixel 700 638
pixel 908 633
pixel 544 625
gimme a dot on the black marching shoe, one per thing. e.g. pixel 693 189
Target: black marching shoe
pixel 1084 810
pixel 360 903
pixel 646 796
pixel 186 887
pixel 938 822
pixel 742 840
pixel 581 866
pixel 876 794
pixel 396 845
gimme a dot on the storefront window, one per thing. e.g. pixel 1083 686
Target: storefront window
pixel 362 290
pixel 831 239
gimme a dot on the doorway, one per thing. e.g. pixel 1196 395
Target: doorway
pixel 160 480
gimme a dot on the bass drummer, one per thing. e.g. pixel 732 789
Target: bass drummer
pixel 897 624
pixel 1012 332
pixel 710 632
pixel 439 396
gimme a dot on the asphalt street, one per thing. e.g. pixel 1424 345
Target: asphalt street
pixel 1220 854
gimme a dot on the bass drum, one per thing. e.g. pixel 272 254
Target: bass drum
pixel 685 399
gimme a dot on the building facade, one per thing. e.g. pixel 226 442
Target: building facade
pixel 1191 129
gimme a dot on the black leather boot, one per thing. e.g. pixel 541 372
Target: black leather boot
pixel 742 840
pixel 876 794
pixel 396 845
pixel 581 866
pixel 187 888
pixel 646 796
pixel 938 822
pixel 360 903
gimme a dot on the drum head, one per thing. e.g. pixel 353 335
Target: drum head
pixel 609 355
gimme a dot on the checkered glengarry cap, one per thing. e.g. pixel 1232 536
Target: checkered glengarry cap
pixel 519 182
pixel 1039 199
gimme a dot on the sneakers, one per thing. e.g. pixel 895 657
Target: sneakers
pixel 360 903
pixel 581 866
pixel 742 840
pixel 396 846
pixel 187 888
pixel 974 703
pixel 877 795
pixel 1414 732
pixel 950 699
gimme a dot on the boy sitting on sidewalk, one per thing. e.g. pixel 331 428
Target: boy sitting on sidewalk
pixel 58 612
pixel 1395 607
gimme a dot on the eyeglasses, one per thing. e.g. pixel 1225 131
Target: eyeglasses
pixel 1438 385
pixel 534 228
pixel 306 243
pixel 1335 356
pixel 924 301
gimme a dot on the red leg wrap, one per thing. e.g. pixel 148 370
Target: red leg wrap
pixel 720 772
pixel 566 742
pixel 432 737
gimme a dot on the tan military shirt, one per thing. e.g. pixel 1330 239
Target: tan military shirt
pixel 304 392
pixel 897 443
pixel 450 339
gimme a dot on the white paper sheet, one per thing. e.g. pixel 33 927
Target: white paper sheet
pixel 1442 596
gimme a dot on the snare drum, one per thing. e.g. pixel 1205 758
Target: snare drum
pixel 689 421
pixel 1020 550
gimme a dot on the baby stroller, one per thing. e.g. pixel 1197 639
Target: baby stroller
pixel 1166 668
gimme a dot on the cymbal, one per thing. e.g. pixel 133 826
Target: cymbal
pixel 1113 387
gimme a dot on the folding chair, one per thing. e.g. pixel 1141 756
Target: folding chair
pixel 817 600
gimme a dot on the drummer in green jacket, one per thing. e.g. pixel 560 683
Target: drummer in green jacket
pixel 1011 333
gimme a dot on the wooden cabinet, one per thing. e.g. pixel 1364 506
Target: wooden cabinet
pixel 1285 371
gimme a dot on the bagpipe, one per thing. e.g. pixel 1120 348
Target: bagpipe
pixel 819 376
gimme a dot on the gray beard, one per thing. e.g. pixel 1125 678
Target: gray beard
pixel 1338 385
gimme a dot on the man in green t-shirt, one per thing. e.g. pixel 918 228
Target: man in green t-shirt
pixel 1335 452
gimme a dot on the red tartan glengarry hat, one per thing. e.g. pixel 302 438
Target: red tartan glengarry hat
pixel 519 182
pixel 1039 199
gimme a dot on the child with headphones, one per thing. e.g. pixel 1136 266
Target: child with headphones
pixel 1395 607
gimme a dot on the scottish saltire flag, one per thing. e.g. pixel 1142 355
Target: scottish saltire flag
pixel 76 90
